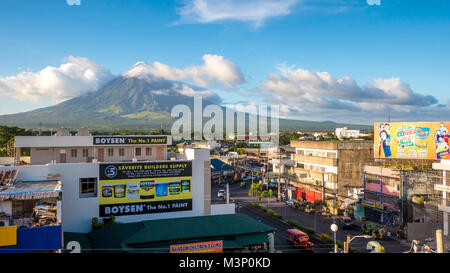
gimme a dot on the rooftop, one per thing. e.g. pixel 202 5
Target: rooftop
pixel 157 235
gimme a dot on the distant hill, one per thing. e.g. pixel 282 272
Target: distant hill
pixel 132 103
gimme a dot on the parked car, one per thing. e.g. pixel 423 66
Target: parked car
pixel 290 203
pixel 347 223
pixel 221 194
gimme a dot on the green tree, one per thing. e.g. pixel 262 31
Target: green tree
pixel 255 190
pixel 7 134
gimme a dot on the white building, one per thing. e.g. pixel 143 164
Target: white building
pixel 81 148
pixel 132 188
pixel 346 133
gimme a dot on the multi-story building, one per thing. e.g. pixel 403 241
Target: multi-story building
pixel 329 169
pixel 83 147
pixel 394 196
pixel 346 133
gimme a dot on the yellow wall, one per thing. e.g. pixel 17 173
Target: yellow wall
pixel 8 236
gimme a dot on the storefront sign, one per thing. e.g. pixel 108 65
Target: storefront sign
pixel 419 140
pixel 143 188
pixel 372 204
pixel 131 140
pixel 440 187
pixel 204 247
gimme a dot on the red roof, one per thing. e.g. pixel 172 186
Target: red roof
pixel 296 232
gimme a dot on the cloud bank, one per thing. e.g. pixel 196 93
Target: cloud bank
pixel 76 76
pixel 319 95
pixel 216 71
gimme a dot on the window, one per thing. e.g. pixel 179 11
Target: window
pixel 110 152
pixel 331 155
pixel 121 151
pixel 73 152
pixel 88 187
pixel 148 151
pixel 138 151
pixel 85 153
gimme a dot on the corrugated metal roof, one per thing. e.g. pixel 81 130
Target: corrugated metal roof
pixel 31 190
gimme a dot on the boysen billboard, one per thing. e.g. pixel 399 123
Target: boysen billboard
pixel 417 140
pixel 129 140
pixel 142 188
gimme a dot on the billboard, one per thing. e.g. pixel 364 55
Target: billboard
pixel 412 140
pixel 143 188
pixel 129 140
pixel 203 247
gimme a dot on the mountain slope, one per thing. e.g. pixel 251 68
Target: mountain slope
pixel 131 103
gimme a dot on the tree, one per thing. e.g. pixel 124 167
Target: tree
pixel 255 190
pixel 7 134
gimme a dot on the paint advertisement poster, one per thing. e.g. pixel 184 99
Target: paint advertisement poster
pixel 143 188
pixel 129 140
pixel 412 140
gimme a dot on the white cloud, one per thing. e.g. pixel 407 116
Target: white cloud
pixel 76 76
pixel 254 11
pixel 215 71
pixel 190 92
pixel 318 96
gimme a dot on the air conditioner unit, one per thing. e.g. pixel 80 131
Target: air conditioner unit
pixel 4 223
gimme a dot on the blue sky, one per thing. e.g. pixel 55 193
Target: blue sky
pixel 404 44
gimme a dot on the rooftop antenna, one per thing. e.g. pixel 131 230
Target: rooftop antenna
pixel 389 119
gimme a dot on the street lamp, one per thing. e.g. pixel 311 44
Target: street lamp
pixel 334 228
pixel 349 239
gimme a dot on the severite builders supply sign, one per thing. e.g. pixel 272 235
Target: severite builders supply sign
pixel 143 188
pixel 412 140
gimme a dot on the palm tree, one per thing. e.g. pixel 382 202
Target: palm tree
pixel 255 190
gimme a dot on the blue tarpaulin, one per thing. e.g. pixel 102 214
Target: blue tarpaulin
pixel 36 239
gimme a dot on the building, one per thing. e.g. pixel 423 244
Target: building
pixel 444 207
pixel 396 197
pixel 346 133
pixel 216 233
pixel 30 214
pixel 326 169
pixel 83 147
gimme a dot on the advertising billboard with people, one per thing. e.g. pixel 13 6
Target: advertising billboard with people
pixel 142 188
pixel 412 140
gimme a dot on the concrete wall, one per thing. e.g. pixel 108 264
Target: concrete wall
pixel 9 160
pixel 223 209
pixel 420 231
pixel 6 207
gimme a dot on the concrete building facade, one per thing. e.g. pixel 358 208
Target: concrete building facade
pixel 329 169
pixel 81 149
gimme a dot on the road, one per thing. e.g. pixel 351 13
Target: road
pixel 319 223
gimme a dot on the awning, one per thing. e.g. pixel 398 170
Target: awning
pixel 31 190
pixel 350 201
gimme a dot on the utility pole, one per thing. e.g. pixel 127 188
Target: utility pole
pixel 347 244
pixel 279 176
pixel 271 243
pixel 439 243
pixel 228 193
